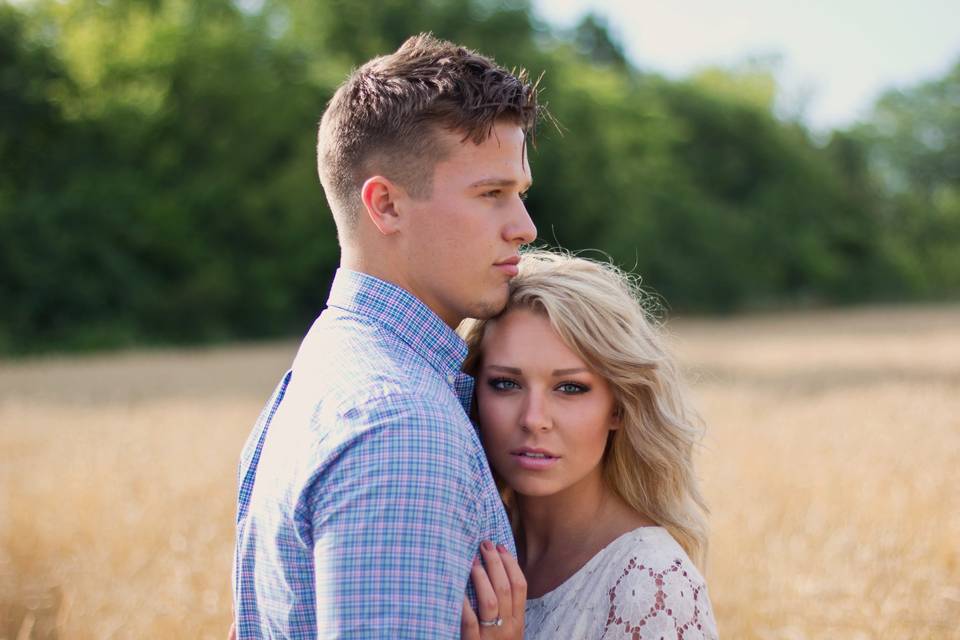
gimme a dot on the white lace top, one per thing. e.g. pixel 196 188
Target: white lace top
pixel 642 586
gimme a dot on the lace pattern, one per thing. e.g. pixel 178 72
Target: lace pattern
pixel 640 587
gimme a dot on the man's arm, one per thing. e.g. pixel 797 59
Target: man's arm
pixel 395 525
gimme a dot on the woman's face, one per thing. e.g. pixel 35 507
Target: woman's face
pixel 544 416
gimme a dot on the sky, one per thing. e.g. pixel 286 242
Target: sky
pixel 835 57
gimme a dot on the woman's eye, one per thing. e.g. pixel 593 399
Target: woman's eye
pixel 503 384
pixel 572 387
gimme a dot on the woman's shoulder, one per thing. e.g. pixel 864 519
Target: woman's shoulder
pixel 654 589
pixel 652 547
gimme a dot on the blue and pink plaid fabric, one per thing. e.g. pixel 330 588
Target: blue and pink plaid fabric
pixel 364 490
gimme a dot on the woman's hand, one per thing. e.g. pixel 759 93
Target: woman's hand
pixel 501 597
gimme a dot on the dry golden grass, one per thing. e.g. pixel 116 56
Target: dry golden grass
pixel 832 466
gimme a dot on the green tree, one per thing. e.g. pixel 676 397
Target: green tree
pixel 913 147
pixel 158 179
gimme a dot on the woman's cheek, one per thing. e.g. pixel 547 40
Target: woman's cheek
pixel 491 418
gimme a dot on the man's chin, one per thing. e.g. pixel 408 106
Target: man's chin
pixel 487 309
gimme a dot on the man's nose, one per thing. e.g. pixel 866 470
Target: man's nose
pixel 521 229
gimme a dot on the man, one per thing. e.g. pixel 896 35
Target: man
pixel 364 490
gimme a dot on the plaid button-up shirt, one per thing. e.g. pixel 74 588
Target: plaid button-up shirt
pixel 364 490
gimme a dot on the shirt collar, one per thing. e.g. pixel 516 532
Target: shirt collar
pixel 405 315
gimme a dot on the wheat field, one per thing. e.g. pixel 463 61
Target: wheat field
pixel 832 466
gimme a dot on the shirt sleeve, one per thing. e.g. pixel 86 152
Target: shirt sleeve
pixel 659 600
pixel 395 524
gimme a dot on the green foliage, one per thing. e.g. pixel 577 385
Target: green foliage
pixel 912 145
pixel 158 180
pixel 178 198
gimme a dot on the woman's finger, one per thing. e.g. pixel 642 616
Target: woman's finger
pixel 488 607
pixel 518 583
pixel 469 628
pixel 498 579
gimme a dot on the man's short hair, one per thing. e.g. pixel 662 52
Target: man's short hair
pixel 385 118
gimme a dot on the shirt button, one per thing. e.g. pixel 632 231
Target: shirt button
pixel 451 378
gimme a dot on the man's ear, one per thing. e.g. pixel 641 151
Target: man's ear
pixel 380 196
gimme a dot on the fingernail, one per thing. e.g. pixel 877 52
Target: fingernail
pixel 501 548
pixel 487 545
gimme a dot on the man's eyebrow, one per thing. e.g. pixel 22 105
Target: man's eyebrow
pixel 500 182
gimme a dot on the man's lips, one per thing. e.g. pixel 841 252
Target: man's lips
pixel 509 266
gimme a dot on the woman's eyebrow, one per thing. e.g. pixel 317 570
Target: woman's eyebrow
pixel 498 367
pixel 556 372
pixel 567 372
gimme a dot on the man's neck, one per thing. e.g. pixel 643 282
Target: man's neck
pixel 378 268
pixel 381 268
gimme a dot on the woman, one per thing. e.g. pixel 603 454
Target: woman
pixel 589 432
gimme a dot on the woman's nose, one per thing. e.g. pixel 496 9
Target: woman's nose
pixel 535 415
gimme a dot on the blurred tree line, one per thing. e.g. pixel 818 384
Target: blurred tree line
pixel 157 179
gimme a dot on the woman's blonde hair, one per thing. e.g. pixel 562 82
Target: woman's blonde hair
pixel 596 309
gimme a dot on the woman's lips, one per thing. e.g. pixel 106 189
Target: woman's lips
pixel 534 461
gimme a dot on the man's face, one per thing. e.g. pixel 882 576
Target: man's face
pixel 461 244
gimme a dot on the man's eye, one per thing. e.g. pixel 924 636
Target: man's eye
pixel 572 387
pixel 492 194
pixel 503 384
